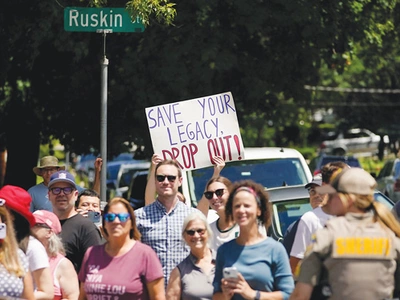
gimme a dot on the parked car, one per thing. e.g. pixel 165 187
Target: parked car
pixel 269 166
pixel 356 140
pixel 119 175
pixel 318 162
pixel 388 179
pixel 290 202
pixel 85 166
pixel 137 188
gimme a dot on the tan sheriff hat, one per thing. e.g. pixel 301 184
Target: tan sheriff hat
pixel 351 181
pixel 47 162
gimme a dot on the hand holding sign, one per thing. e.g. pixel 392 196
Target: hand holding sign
pixel 194 131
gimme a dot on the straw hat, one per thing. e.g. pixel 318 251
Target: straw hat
pixel 47 162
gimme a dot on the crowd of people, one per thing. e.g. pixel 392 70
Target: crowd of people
pixel 57 243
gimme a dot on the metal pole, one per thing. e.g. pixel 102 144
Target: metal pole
pixel 103 123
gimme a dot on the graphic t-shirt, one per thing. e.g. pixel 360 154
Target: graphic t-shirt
pixel 119 278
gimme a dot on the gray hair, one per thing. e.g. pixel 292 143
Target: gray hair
pixel 55 245
pixel 197 215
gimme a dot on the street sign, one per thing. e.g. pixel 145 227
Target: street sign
pixel 104 19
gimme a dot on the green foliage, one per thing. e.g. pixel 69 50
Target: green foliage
pixel 163 10
pixel 371 164
pixel 264 52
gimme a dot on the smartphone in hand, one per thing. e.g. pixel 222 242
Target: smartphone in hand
pixel 230 272
pixel 3 231
pixel 94 216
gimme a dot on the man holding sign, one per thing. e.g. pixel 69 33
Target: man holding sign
pixel 160 223
pixel 192 132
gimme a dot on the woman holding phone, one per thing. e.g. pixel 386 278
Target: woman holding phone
pixel 261 262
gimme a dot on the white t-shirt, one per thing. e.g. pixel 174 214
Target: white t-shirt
pixel 308 224
pixel 212 216
pixel 219 237
pixel 37 255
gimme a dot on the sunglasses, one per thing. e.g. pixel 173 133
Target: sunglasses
pixel 192 232
pixel 218 193
pixel 161 178
pixel 66 190
pixel 123 217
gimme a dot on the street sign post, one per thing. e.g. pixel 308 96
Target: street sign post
pixel 101 20
pixel 104 19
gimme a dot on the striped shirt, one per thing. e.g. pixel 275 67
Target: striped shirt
pixel 162 231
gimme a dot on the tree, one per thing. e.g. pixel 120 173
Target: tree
pixel 264 52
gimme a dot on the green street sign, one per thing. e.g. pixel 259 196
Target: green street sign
pixel 105 19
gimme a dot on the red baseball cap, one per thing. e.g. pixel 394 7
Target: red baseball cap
pixel 18 200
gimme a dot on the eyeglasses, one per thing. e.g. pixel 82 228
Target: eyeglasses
pixel 191 232
pixel 123 217
pixel 66 190
pixel 218 193
pixel 161 178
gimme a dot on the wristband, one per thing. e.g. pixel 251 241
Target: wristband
pixel 258 295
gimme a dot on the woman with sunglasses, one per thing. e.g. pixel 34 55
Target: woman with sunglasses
pixel 192 278
pixel 262 269
pixel 217 193
pixel 123 267
pixel 224 229
pixel 14 266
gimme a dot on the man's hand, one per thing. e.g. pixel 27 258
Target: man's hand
pixel 156 159
pixel 83 212
pixel 98 163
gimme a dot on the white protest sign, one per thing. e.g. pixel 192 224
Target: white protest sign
pixel 194 131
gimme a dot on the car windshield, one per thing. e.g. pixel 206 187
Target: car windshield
pixel 268 172
pixel 127 175
pixel 287 212
pixel 383 199
pixel 112 171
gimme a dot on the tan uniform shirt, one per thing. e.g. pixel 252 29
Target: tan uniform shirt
pixel 361 257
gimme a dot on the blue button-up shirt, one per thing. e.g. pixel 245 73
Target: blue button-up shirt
pixel 163 232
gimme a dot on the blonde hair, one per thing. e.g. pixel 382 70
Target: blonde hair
pixel 381 213
pixel 385 216
pixel 9 257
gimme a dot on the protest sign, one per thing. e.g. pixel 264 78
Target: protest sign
pixel 194 131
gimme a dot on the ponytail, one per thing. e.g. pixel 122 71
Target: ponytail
pixel 384 215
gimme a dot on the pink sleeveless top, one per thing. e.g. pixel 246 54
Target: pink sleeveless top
pixel 54 262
